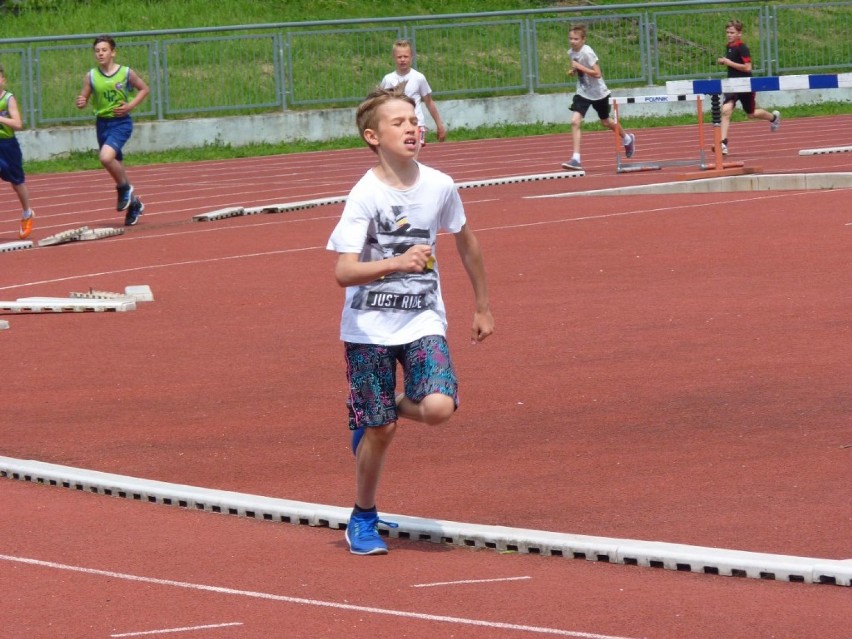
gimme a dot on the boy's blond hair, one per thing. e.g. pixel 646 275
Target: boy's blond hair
pixel 736 24
pixel 366 117
pixel 579 28
pixel 402 44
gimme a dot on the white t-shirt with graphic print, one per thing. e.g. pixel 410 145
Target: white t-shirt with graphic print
pixel 587 86
pixel 379 222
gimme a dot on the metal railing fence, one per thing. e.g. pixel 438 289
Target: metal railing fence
pixel 263 68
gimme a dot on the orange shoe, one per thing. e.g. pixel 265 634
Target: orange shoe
pixel 26 226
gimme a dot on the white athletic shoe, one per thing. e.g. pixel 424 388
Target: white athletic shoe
pixel 776 123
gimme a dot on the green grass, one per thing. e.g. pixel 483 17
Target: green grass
pixel 68 17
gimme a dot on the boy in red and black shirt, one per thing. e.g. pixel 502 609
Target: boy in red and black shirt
pixel 738 60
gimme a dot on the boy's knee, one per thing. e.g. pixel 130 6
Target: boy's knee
pixel 437 408
pixel 380 435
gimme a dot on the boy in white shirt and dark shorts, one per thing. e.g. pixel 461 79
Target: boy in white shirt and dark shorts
pixel 591 92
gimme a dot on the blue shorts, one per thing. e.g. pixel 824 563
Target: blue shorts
pixel 371 371
pixel 11 161
pixel 114 132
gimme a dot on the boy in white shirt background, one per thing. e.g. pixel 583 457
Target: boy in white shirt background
pixel 416 87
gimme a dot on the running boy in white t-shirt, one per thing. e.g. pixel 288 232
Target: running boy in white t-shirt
pixel 416 87
pixel 591 92
pixel 393 310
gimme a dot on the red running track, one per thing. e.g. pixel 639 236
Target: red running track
pixel 670 367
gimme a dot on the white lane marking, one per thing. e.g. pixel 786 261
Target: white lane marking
pixel 468 581
pixel 167 631
pixel 158 266
pixel 311 248
pixel 310 602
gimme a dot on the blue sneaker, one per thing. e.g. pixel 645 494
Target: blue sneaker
pixel 630 147
pixel 134 212
pixel 362 534
pixel 125 197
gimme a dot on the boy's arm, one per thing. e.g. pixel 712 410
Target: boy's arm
pixel 85 92
pixel 141 93
pixel 471 257
pixel 433 110
pixel 350 271
pixel 14 120
pixel 745 66
pixel 593 71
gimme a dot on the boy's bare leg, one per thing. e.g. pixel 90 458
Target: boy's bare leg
pixel 612 125
pixel 369 461
pixel 761 114
pixel 576 132
pixel 433 409
pixel 113 166
pixel 727 110
pixel 23 195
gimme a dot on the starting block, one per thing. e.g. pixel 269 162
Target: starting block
pixel 97 301
pixel 66 305
pixel 15 246
pixel 219 214
pixel 286 207
pixel 64 236
pixel 4 325
pixel 98 234
pixel 83 233
pixel 830 149
pixel 140 293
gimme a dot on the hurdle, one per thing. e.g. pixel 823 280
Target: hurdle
pixel 628 167
pixel 826 150
pixel 715 88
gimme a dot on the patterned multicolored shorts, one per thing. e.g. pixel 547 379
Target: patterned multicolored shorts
pixel 371 370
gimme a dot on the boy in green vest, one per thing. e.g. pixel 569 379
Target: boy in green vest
pixel 11 159
pixel 110 87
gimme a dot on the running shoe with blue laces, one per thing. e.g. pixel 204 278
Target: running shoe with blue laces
pixel 362 534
